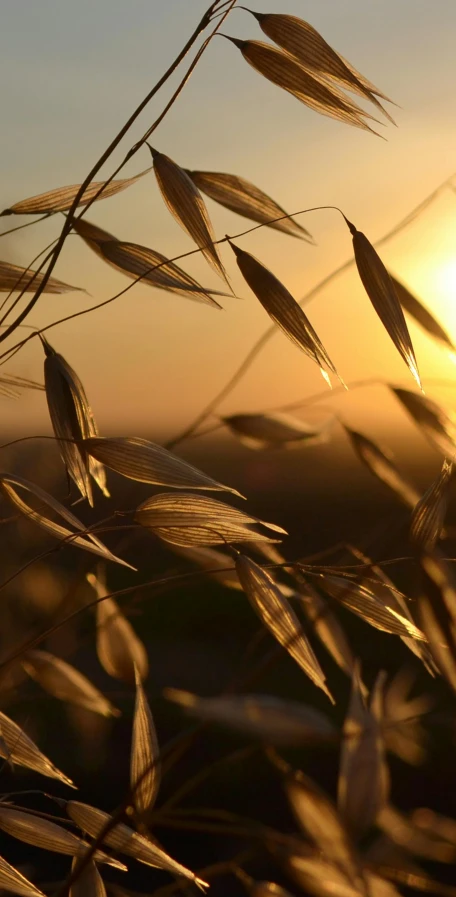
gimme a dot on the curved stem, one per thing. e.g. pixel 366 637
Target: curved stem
pixel 53 256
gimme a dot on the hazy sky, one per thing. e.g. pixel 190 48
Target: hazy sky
pixel 73 72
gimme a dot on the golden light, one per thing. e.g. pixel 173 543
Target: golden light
pixel 445 278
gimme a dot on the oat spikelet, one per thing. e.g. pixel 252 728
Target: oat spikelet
pixel 271 720
pixel 120 651
pixel 438 426
pixel 146 462
pixel 372 604
pixel 14 882
pixel 61 199
pixel 26 280
pixel 263 431
pixel 380 289
pixel 185 202
pixel 72 421
pixel 63 681
pixel 88 541
pixel 363 776
pixel 124 839
pixel 428 515
pixel 413 307
pixel 326 626
pixel 381 465
pixel 46 834
pixel 189 520
pixel 283 309
pixel 242 197
pixel 136 261
pixel 89 882
pixel 297 37
pixel 287 73
pixel 17 747
pixel 319 819
pixel 275 611
pixel 145 753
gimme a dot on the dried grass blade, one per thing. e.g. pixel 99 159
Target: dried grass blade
pixel 89 882
pixel 145 754
pixel 319 819
pixel 63 681
pixel 380 464
pixel 421 314
pixel 146 462
pixel 72 421
pixel 287 73
pixel 437 425
pixel 13 277
pixel 61 198
pixel 187 520
pixel 46 834
pixel 14 882
pixel 363 785
pixel 282 308
pixel 374 608
pixel 297 37
pixel 88 542
pixel 263 431
pixel 279 617
pixel 143 264
pixel 271 720
pixel 185 202
pixel 122 838
pixel 242 197
pixel 22 750
pixel 380 289
pixel 428 515
pixel 120 651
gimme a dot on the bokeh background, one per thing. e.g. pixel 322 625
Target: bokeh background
pixel 151 361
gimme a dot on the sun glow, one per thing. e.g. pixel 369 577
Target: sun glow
pixel 444 277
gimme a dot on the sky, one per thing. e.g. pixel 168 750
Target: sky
pixel 73 73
